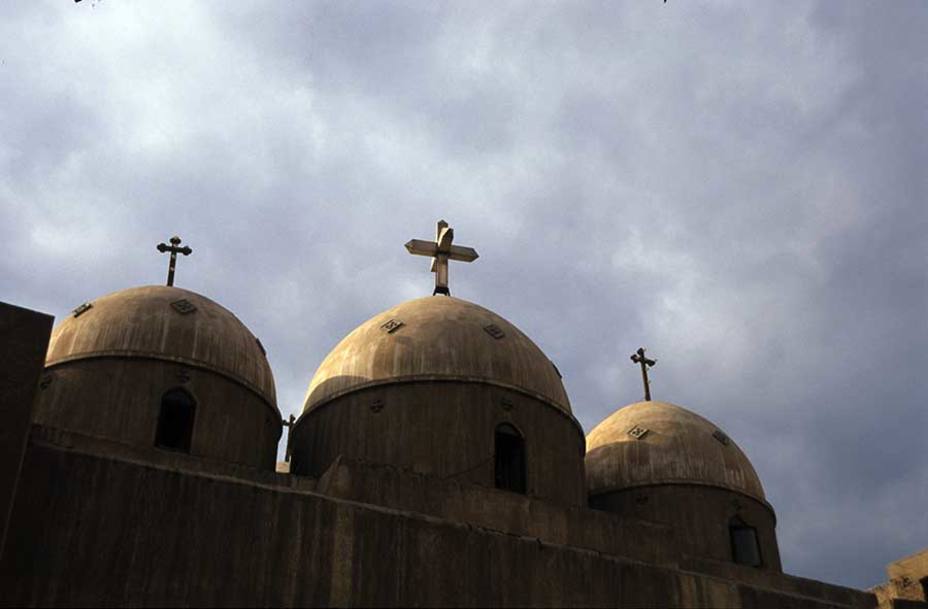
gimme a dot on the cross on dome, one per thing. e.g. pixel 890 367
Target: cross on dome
pixel 639 358
pixel 174 249
pixel 441 250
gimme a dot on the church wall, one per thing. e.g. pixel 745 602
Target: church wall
pixel 772 580
pixel 700 516
pixel 500 510
pixel 445 429
pixel 120 399
pixel 624 536
pixel 96 530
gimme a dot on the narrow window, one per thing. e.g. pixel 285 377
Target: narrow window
pixel 175 422
pixel 744 547
pixel 510 459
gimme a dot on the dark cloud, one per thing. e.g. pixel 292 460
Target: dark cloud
pixel 739 188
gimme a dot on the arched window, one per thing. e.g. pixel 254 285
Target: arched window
pixel 510 459
pixel 744 547
pixel 175 421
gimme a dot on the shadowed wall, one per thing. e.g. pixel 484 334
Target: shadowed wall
pixel 445 428
pixel 699 515
pixel 120 399
pixel 92 529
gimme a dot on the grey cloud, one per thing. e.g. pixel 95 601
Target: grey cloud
pixel 738 188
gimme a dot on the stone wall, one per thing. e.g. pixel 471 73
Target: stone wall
pixel 101 524
pixel 23 339
pixel 502 511
pixel 700 516
pixel 445 428
pixel 119 398
pixel 907 583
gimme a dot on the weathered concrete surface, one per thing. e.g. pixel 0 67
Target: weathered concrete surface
pixel 679 446
pixel 144 456
pixel 501 511
pixel 699 516
pixel 142 322
pixel 119 399
pixel 110 365
pixel 441 338
pixel 23 339
pixel 109 530
pixel 772 580
pixel 907 583
pixel 447 429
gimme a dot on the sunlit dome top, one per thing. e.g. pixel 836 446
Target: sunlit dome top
pixel 437 338
pixel 659 443
pixel 164 323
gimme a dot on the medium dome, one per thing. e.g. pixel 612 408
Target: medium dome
pixel 437 338
pixel 169 324
pixel 652 443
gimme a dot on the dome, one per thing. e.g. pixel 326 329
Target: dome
pixel 437 338
pixel 164 323
pixel 651 443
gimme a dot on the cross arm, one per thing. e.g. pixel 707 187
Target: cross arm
pixel 186 251
pixel 421 248
pixel 464 254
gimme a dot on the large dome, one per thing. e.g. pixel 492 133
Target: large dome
pixel 433 339
pixel 651 443
pixel 165 323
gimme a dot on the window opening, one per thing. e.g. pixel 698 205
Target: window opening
pixel 744 547
pixel 510 459
pixel 175 421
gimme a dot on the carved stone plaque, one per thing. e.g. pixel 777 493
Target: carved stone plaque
pixel 82 309
pixel 183 306
pixel 494 331
pixel 392 326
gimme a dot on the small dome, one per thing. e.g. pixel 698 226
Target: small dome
pixel 165 323
pixel 652 443
pixel 437 338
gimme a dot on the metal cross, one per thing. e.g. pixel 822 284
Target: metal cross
pixel 639 358
pixel 174 249
pixel 441 252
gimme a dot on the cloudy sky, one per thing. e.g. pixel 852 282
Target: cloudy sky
pixel 739 186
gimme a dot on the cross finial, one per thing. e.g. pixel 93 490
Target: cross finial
pixel 174 249
pixel 639 358
pixel 441 250
pixel 288 423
